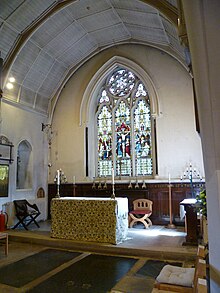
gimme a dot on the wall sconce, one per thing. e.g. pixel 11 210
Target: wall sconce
pixel 144 185
pixel 130 185
pixel 45 126
pixel 136 185
pixel 105 185
pixel 100 185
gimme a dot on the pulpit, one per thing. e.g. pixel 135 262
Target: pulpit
pixel 90 219
pixel 191 224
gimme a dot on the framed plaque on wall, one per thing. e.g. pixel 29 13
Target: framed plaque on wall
pixel 4 174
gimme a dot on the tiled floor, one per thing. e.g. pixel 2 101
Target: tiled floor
pixel 154 243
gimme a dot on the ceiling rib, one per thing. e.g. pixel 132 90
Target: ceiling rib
pixel 27 33
pixel 165 8
pixel 56 36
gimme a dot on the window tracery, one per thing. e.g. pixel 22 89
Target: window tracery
pixel 124 132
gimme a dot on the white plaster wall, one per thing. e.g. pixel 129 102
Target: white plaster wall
pixel 18 125
pixel 178 142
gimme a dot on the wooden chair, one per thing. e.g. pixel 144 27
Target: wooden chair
pixel 142 210
pixel 5 236
pixel 170 277
pixel 201 286
pixel 26 213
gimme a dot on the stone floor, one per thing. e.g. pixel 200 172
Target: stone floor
pixel 157 242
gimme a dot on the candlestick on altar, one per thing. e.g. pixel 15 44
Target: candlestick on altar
pixel 58 183
pixel 113 184
pixel 59 179
pixel 170 225
pixel 113 176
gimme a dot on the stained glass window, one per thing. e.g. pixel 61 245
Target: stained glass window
pixel 104 142
pixel 124 132
pixel 123 140
pixel 142 134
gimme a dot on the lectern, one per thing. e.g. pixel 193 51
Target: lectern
pixel 190 221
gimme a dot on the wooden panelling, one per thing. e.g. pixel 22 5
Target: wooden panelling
pixel 157 192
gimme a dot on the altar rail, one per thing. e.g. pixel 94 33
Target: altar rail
pixel 157 192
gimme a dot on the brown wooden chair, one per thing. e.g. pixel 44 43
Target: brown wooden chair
pixel 5 236
pixel 202 286
pixel 142 210
pixel 26 213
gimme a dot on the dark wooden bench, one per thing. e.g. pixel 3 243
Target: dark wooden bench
pixel 26 213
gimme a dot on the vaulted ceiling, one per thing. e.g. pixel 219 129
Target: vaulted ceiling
pixel 43 41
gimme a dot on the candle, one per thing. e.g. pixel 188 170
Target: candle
pixel 58 177
pixel 113 176
pixel 74 180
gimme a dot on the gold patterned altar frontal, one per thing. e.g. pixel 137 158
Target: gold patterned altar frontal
pixel 95 220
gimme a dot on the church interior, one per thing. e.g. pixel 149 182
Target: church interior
pixel 114 152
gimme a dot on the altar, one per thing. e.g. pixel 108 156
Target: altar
pixel 90 219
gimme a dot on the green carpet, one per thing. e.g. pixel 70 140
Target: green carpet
pixel 19 273
pixel 152 268
pixel 93 274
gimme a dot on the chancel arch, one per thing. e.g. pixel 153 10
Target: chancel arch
pixel 138 95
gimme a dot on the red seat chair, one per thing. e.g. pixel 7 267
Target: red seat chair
pixel 142 210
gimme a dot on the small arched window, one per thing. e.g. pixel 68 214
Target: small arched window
pixel 24 166
pixel 124 126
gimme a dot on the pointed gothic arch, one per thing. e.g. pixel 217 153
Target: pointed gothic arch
pixel 88 111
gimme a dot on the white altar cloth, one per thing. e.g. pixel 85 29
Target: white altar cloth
pixel 90 219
